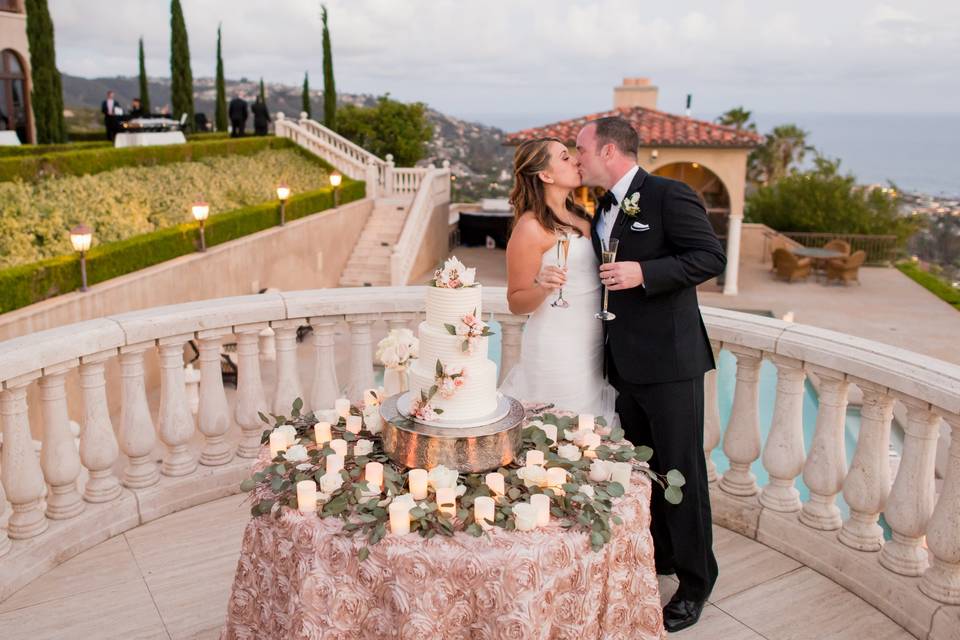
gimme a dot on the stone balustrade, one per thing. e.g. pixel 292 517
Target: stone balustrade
pixel 914 577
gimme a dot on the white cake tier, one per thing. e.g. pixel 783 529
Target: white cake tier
pixel 448 306
pixel 475 399
pixel 436 343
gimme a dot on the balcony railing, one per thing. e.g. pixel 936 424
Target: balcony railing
pixel 910 577
pixel 880 249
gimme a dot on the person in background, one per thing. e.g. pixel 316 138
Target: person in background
pixel 109 110
pixel 238 116
pixel 136 109
pixel 261 117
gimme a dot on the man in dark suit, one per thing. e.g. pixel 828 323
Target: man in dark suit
pixel 111 121
pixel 656 349
pixel 261 117
pixel 238 116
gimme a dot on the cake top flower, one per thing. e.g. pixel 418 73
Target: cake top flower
pixel 454 275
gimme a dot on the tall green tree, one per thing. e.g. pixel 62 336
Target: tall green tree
pixel 389 127
pixel 220 112
pixel 781 153
pixel 329 90
pixel 263 91
pixel 144 89
pixel 739 118
pixel 47 92
pixel 305 97
pixel 181 78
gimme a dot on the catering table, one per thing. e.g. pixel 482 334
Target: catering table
pixel 148 138
pixel 298 576
pixel 816 253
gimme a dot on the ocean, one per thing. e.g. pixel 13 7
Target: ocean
pixel 917 152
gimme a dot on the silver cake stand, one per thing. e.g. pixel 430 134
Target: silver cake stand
pixel 473 448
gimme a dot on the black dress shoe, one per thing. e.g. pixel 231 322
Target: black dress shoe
pixel 680 614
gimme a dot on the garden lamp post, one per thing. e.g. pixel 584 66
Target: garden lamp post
pixel 283 192
pixel 80 237
pixel 335 179
pixel 200 212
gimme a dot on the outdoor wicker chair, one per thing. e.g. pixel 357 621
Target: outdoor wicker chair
pixel 789 267
pixel 838 245
pixel 846 269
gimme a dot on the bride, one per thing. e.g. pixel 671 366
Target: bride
pixel 561 358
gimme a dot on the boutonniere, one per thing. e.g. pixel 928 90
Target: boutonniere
pixel 631 206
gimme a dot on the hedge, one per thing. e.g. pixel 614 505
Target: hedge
pixel 98 159
pixel 100 135
pixel 43 149
pixel 931 283
pixel 27 284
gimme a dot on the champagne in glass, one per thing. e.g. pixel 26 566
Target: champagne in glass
pixel 563 252
pixel 608 252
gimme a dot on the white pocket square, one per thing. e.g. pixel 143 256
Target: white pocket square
pixel 639 226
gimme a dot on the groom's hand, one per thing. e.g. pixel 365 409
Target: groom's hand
pixel 617 276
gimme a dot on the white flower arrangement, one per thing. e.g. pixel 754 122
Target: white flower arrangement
pixel 454 275
pixel 631 206
pixel 601 470
pixel 398 348
pixel 296 453
pixel 569 452
pixel 533 475
pixel 363 447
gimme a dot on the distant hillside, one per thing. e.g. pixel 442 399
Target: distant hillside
pixel 475 151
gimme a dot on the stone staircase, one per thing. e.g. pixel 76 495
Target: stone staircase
pixel 369 264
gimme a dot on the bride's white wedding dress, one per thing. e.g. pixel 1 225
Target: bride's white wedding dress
pixel 561 357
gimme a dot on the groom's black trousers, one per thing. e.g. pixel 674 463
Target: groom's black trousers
pixel 669 418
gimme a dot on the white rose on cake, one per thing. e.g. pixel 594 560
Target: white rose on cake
pixel 454 275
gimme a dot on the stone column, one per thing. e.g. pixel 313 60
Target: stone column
pixel 942 580
pixel 868 481
pixel 214 414
pixel 911 499
pixel 783 454
pixel 288 386
pixel 372 179
pixel 251 399
pixel 741 443
pixel 826 465
pixel 59 458
pixel 176 420
pixel 137 433
pixel 511 340
pixel 20 468
pixel 711 415
pixel 361 354
pixel 98 444
pixel 735 222
pixel 325 389
pixel 4 538
pixel 388 176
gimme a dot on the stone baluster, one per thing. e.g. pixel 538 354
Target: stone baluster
pixel 213 417
pixel 741 443
pixel 942 580
pixel 372 178
pixel 400 319
pixel 20 468
pixel 388 187
pixel 826 464
pixel 868 480
pixel 59 457
pixel 251 399
pixel 137 434
pixel 288 387
pixel 711 415
pixel 911 499
pixel 4 538
pixel 511 339
pixel 783 454
pixel 325 389
pixel 361 354
pixel 176 420
pixel 98 444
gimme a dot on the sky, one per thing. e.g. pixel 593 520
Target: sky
pixel 525 62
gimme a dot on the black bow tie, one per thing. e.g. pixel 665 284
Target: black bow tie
pixel 606 201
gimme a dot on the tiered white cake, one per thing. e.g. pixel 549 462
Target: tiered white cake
pixel 475 396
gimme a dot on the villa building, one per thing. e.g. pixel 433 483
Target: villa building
pixel 711 158
pixel 15 111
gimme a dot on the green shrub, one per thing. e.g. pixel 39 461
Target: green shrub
pixel 98 159
pixel 932 283
pixel 42 149
pixel 88 136
pixel 31 283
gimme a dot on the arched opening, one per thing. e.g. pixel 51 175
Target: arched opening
pixel 708 186
pixel 14 99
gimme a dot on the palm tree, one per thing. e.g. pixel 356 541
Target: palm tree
pixel 783 151
pixel 738 118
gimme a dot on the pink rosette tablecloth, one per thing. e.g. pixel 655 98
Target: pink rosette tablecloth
pixel 297 578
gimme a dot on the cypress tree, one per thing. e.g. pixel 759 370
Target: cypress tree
pixel 144 89
pixel 263 92
pixel 181 78
pixel 220 113
pixel 47 94
pixel 305 99
pixel 329 90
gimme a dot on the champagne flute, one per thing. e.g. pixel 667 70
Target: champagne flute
pixel 608 252
pixel 563 252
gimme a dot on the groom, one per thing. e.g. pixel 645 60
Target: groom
pixel 657 350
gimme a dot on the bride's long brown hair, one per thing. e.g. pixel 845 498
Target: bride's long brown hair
pixel 530 158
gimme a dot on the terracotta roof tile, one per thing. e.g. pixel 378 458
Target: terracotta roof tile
pixel 656 128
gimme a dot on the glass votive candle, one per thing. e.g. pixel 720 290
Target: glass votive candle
pixel 354 424
pixel 541 502
pixel 483 509
pixel 447 501
pixel 551 431
pixel 399 517
pixel 278 443
pixel 495 482
pixel 417 479
pixel 585 422
pixel 534 457
pixel 307 496
pixel 525 516
pixel 621 473
pixel 373 474
pixel 322 433
pixel 339 446
pixel 335 463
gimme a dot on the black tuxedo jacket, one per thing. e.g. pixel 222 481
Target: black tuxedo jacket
pixel 658 334
pixel 238 109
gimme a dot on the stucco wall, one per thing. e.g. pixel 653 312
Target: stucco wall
pixel 435 245
pixel 13 35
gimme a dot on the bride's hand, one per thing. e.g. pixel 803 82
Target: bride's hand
pixel 551 277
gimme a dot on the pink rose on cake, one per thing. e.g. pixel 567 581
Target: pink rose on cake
pixel 471 328
pixel 454 275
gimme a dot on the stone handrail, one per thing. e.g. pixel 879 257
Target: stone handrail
pixel 433 190
pixel 910 577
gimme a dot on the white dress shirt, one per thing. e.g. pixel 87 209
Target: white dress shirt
pixel 619 191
